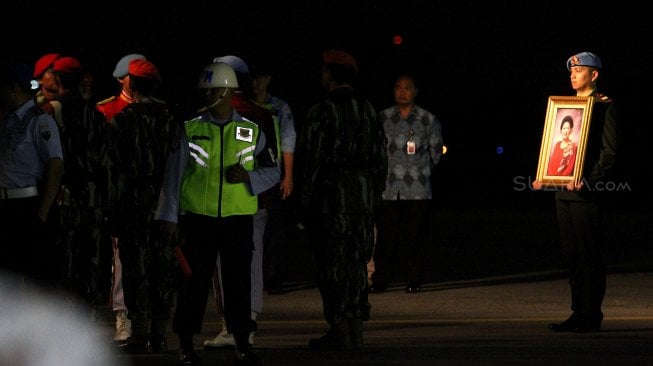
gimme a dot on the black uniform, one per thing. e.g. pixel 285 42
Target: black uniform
pixel 580 214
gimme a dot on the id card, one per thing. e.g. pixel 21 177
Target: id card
pixel 410 147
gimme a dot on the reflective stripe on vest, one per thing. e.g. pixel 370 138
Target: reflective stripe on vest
pixel 213 148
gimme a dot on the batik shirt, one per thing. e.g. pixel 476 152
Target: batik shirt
pixel 414 148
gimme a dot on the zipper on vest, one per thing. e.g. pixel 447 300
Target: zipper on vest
pixel 221 170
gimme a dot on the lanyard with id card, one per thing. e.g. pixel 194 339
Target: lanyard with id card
pixel 410 144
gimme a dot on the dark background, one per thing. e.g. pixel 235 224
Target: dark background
pixel 485 68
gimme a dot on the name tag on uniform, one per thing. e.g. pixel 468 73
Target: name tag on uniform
pixel 244 134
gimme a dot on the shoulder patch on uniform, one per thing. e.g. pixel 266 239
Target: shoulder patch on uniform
pixel 44 131
pixel 105 101
pixel 603 98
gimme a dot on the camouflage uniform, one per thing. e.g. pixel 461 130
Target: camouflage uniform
pixel 140 139
pixel 79 209
pixel 344 166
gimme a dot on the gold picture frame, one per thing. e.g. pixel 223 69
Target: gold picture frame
pixel 564 140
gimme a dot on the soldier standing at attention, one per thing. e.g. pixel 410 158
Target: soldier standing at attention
pixel 83 190
pixel 109 108
pixel 580 207
pixel 140 139
pixel 344 162
pixel 31 167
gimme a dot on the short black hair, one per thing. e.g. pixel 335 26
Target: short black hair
pixel 568 119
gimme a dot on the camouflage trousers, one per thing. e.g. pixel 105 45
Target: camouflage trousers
pixel 77 237
pixel 343 245
pixel 148 272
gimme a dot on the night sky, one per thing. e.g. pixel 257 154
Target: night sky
pixel 485 68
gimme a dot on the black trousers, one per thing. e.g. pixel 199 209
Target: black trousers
pixel 274 237
pixel 27 250
pixel 583 250
pixel 205 237
pixel 403 239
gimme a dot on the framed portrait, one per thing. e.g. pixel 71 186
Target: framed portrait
pixel 564 140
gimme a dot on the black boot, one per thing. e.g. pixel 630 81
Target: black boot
pixel 337 338
pixel 356 333
pixel 568 325
pixel 158 341
pixel 187 355
pixel 244 354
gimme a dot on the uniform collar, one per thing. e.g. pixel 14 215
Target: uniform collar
pixel 22 109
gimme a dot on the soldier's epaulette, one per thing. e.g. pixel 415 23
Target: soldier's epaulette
pixel 105 101
pixel 600 97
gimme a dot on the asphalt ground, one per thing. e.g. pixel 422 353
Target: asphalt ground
pixel 489 296
pixel 488 321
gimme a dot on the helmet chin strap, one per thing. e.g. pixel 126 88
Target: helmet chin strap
pixel 217 101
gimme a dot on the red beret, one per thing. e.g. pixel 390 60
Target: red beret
pixel 145 69
pixel 341 58
pixel 44 63
pixel 67 64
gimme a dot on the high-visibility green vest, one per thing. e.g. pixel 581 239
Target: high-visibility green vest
pixel 213 148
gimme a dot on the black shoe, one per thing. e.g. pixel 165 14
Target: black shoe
pixel 248 359
pixel 135 347
pixel 413 287
pixel 330 342
pixel 377 288
pixel 189 358
pixel 568 325
pixel 158 344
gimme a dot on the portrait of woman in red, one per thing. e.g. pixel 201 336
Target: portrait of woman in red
pixel 563 155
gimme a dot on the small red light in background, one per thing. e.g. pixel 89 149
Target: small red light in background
pixel 397 39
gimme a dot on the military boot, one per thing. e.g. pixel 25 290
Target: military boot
pixel 356 333
pixel 337 338
pixel 158 341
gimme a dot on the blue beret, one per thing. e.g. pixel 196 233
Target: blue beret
pixel 584 59
pixel 235 62
pixel 122 67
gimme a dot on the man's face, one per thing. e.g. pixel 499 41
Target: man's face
pixel 581 77
pixel 259 84
pixel 405 91
pixel 49 85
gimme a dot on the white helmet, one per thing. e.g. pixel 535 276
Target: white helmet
pixel 217 75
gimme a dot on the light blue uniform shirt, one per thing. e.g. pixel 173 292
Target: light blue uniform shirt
pixel 260 179
pixel 286 122
pixel 27 142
